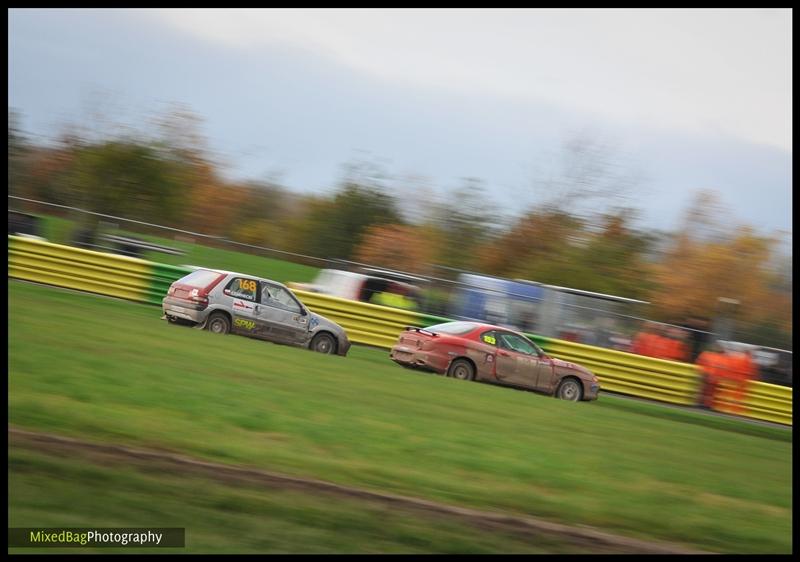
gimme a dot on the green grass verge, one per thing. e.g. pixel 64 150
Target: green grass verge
pixel 220 517
pixel 60 231
pixel 104 369
pixel 684 414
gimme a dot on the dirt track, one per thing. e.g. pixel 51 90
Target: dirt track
pixel 585 538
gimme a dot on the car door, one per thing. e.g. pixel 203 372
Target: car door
pixel 505 362
pixel 241 298
pixel 546 376
pixel 517 360
pixel 485 356
pixel 281 314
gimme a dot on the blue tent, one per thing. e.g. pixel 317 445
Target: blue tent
pixel 494 300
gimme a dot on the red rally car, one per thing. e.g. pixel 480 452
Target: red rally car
pixel 487 353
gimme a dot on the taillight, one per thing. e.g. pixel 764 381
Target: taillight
pixel 171 290
pixel 198 296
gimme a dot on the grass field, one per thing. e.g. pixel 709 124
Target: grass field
pixel 231 518
pixel 60 230
pixel 102 369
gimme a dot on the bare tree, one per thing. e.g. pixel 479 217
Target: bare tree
pixel 590 176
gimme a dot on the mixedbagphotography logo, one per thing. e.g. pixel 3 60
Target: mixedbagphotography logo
pixel 20 537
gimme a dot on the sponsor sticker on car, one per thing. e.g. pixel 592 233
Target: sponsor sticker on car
pixel 246 324
pixel 242 305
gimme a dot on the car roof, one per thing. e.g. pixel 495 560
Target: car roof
pixel 225 272
pixel 342 272
pixel 495 327
pixel 483 326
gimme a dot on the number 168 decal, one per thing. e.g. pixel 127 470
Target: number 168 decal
pixel 247 285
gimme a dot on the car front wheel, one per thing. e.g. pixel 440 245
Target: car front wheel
pixel 323 343
pixel 570 389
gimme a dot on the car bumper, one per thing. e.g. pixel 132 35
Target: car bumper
pixel 343 347
pixel 591 391
pixel 407 357
pixel 184 310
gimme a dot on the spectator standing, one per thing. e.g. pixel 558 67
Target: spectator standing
pixel 712 366
pixel 675 347
pixel 660 344
pixel 742 371
pixel 643 343
pixel 698 335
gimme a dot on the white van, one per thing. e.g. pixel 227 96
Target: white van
pixel 362 287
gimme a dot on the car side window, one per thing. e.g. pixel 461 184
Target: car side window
pixel 241 288
pixel 516 343
pixel 273 295
pixel 489 338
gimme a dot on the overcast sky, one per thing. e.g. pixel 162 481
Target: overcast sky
pixel 689 99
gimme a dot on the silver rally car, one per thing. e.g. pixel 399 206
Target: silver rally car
pixel 224 301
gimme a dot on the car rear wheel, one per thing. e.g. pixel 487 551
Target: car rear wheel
pixel 570 389
pixel 461 369
pixel 323 343
pixel 218 323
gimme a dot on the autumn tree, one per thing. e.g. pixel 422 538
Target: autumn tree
pixel 333 226
pixel 462 222
pixel 126 178
pixel 264 215
pixel 608 257
pixel 394 246
pixel 209 203
pixel 42 173
pixel 725 262
pixel 579 233
pixel 554 247
pixel 536 239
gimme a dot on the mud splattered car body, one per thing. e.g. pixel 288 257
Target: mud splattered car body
pixel 224 301
pixel 483 352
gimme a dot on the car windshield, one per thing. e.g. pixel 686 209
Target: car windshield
pixel 454 328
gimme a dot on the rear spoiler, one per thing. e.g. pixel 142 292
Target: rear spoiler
pixel 420 330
